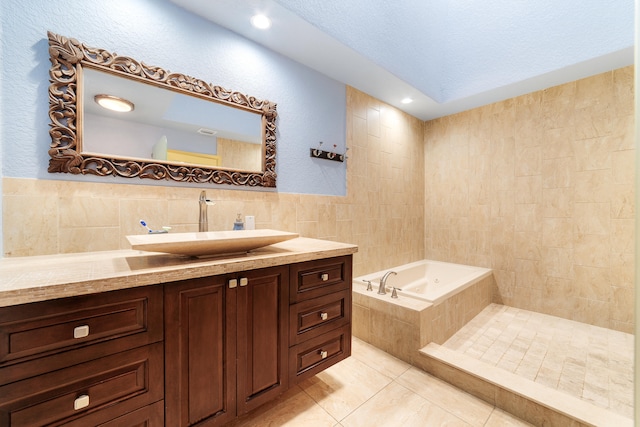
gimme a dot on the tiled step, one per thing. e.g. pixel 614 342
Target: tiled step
pixel 523 398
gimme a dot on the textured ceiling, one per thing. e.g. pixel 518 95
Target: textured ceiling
pixel 448 55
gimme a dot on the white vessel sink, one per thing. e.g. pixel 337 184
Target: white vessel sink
pixel 209 243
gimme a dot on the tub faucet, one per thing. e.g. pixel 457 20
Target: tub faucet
pixel 203 223
pixel 383 282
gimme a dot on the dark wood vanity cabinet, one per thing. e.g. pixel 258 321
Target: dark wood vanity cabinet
pixel 194 352
pixel 226 345
pixel 320 316
pixel 236 341
pixel 88 360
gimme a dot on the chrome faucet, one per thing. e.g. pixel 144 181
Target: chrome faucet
pixel 203 223
pixel 383 282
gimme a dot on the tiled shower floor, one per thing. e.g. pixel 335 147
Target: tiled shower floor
pixel 589 362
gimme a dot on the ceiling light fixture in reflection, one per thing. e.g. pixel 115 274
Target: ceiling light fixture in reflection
pixel 114 103
pixel 407 100
pixel 207 132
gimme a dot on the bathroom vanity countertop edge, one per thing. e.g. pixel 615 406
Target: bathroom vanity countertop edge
pixel 40 278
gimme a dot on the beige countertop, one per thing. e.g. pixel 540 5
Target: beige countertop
pixel 39 278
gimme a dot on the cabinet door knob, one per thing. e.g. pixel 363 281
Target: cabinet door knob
pixel 244 281
pixel 81 331
pixel 233 283
pixel 323 354
pixel 81 402
pixel 324 315
pixel 324 277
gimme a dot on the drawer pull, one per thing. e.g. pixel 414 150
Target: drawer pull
pixel 233 283
pixel 81 402
pixel 324 315
pixel 81 331
pixel 324 277
pixel 244 281
pixel 323 354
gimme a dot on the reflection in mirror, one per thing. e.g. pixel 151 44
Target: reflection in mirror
pixel 166 125
pixel 179 127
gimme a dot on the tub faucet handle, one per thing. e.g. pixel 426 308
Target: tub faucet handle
pixel 369 287
pixel 394 293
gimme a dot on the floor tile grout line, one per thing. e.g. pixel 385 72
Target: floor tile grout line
pixel 493 407
pixel 440 407
pixel 315 402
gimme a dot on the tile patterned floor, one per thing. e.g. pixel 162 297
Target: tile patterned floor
pixel 372 388
pixel 589 362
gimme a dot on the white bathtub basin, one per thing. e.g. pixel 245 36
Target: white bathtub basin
pixel 432 281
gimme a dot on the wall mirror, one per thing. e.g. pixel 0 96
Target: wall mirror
pixel 177 128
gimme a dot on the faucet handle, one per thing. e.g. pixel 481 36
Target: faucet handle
pixel 394 293
pixel 205 200
pixel 368 282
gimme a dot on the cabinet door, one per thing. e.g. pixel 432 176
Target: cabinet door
pixel 200 353
pixel 262 328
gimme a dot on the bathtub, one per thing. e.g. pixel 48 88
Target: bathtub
pixel 431 281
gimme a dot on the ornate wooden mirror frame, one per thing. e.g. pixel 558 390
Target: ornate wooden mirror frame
pixel 68 56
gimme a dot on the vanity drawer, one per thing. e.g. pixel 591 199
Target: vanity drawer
pixel 316 278
pixel 310 318
pixel 89 393
pixel 317 354
pixel 35 330
pixel 148 416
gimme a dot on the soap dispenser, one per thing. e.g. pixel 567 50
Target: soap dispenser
pixel 238 224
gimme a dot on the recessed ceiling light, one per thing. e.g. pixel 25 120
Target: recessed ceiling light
pixel 114 103
pixel 261 21
pixel 407 100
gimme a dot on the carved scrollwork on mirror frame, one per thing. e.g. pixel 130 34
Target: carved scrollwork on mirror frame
pixel 68 56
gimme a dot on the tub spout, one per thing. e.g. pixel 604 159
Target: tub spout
pixel 383 282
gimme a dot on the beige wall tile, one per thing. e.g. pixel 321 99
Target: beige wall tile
pixel 528 189
pixel 592 218
pixel 559 193
pixel 558 172
pixel 85 239
pixel 30 222
pixel 88 212
pixel 529 273
pixel 592 186
pixel 528 217
pixel 557 143
pixel 557 232
pixel 623 201
pixel 595 282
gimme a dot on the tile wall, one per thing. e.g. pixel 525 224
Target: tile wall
pixel 382 212
pixel 541 189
